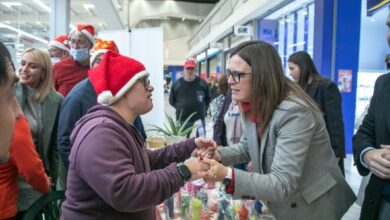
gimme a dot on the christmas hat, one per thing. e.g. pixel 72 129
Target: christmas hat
pixel 61 42
pixel 114 76
pixel 102 46
pixel 86 29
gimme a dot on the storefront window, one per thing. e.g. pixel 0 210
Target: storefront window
pixel 289 29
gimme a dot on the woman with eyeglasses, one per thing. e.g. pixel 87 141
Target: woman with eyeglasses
pixel 327 96
pixel 40 103
pixel 285 137
pixel 111 173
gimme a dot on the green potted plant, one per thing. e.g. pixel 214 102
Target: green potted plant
pixel 174 131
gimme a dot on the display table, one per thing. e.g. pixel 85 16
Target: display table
pixel 201 201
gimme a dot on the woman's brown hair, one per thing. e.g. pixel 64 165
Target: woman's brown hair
pixel 269 84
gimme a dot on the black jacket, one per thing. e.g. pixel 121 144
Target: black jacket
pixel 189 97
pixel 374 131
pixel 328 97
pixel 219 134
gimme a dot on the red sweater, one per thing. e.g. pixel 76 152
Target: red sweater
pixel 67 74
pixel 24 161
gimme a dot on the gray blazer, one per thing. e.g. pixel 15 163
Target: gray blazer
pixel 295 170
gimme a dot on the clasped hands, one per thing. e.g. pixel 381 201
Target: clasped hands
pixel 378 161
pixel 204 163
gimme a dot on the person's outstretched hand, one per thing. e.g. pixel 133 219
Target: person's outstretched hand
pixel 217 171
pixel 197 167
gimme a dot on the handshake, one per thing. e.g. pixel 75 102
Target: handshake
pixel 205 162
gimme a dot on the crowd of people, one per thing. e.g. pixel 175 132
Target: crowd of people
pixel 71 121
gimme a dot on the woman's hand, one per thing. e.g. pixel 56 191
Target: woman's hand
pixel 217 171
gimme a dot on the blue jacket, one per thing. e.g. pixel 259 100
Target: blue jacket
pixel 76 104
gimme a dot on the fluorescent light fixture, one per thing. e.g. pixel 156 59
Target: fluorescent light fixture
pixel 117 5
pixel 2 25
pixel 42 5
pixel 88 6
pixel 10 4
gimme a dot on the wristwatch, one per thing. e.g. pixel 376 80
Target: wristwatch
pixel 228 177
pixel 184 172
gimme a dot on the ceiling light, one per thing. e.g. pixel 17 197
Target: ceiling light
pixel 10 4
pixel 88 6
pixel 42 5
pixel 2 25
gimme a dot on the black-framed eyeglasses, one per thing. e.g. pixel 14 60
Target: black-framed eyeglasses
pixel 236 76
pixel 146 82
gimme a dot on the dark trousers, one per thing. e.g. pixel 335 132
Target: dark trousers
pixel 384 210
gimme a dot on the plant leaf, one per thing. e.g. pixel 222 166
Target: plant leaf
pixel 158 129
pixel 187 131
pixel 172 124
pixel 183 126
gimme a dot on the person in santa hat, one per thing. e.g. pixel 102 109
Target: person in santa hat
pixel 111 174
pixel 73 69
pixel 79 100
pixel 59 49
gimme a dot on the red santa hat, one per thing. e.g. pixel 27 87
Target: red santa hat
pixel 61 42
pixel 114 76
pixel 86 29
pixel 102 46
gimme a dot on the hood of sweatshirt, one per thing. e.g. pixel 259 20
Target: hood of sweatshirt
pixel 98 111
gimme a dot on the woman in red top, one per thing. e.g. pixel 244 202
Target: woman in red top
pixel 24 161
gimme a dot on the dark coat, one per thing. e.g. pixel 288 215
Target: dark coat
pixel 219 134
pixel 374 131
pixel 328 97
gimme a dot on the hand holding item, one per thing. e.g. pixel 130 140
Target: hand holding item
pixel 377 161
pixel 205 147
pixel 197 168
pixel 217 171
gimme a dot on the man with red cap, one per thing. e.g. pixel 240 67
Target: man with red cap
pixel 79 100
pixel 73 69
pixel 59 49
pixel 111 174
pixel 190 94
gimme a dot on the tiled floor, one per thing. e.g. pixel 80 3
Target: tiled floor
pixel 351 174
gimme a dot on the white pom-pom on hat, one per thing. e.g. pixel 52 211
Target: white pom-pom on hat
pixel 105 98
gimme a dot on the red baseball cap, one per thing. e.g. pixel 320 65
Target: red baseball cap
pixel 189 64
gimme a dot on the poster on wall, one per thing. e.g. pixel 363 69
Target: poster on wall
pixel 374 5
pixel 345 80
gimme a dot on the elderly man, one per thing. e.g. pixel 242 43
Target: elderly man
pixel 190 94
pixel 59 49
pixel 73 69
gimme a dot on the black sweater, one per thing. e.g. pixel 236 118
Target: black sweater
pixel 189 97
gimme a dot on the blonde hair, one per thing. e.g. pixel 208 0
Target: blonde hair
pixel 43 59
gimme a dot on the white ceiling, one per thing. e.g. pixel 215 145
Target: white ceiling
pixel 33 19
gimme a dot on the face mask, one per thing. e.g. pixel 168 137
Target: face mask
pixel 79 54
pixel 55 60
